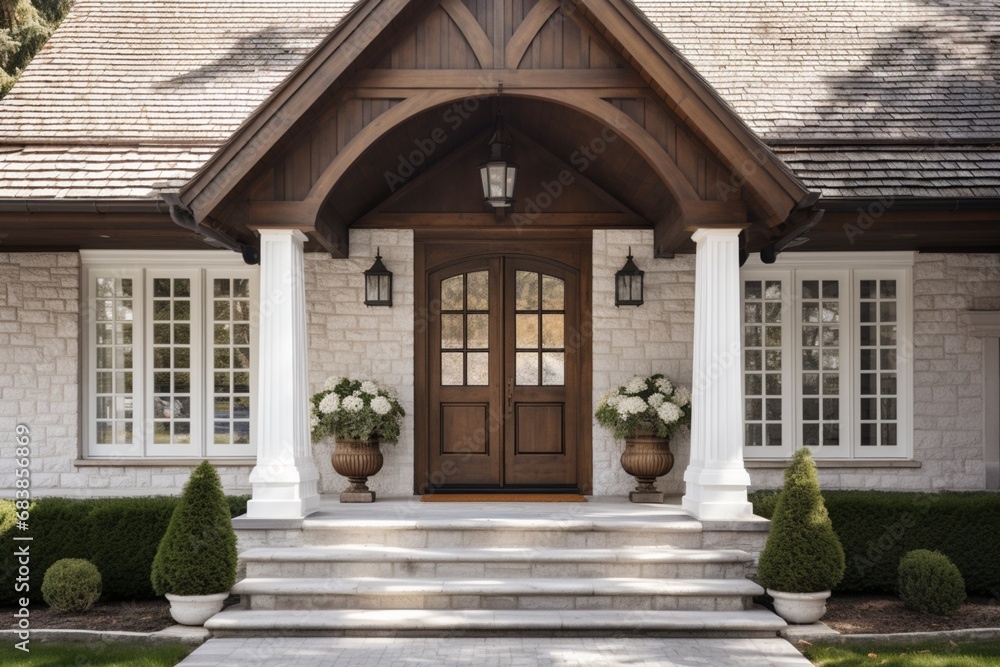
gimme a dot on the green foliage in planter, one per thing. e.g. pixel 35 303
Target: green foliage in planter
pixel 118 535
pixel 877 528
pixel 930 583
pixel 71 585
pixel 803 554
pixel 197 555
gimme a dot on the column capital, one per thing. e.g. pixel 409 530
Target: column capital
pixel 295 234
pixel 717 231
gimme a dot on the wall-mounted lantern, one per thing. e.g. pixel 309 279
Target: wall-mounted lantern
pixel 498 175
pixel 378 283
pixel 628 284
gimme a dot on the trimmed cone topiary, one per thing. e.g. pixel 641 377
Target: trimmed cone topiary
pixel 71 585
pixel 930 582
pixel 803 554
pixel 197 555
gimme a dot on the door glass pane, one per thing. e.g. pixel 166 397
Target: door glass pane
pixel 527 368
pixel 452 336
pixel 526 289
pixel 479 290
pixel 553 293
pixel 478 368
pixel 527 331
pixel 553 368
pixel 451 368
pixel 552 331
pixel 453 293
pixel 479 331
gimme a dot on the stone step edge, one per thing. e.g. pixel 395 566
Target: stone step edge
pixel 621 586
pixel 683 525
pixel 446 621
pixel 353 553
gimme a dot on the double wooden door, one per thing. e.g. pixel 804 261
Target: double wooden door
pixel 503 367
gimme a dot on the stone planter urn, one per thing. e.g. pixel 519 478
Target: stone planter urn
pixel 195 609
pixel 647 457
pixel 799 608
pixel 357 460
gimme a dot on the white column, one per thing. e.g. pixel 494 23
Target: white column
pixel 716 480
pixel 285 478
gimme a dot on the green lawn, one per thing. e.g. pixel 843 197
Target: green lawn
pixel 94 655
pixel 926 654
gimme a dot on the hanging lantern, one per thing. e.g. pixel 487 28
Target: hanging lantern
pixel 628 284
pixel 498 175
pixel 378 283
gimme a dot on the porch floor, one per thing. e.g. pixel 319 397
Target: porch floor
pixel 597 513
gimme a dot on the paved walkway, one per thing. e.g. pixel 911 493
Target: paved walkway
pixel 493 652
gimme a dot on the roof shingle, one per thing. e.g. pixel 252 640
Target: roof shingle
pixel 129 93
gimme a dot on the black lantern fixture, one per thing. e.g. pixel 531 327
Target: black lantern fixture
pixel 628 284
pixel 498 175
pixel 378 283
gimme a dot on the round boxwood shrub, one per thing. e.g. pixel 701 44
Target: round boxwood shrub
pixel 71 585
pixel 930 582
pixel 802 554
pixel 197 555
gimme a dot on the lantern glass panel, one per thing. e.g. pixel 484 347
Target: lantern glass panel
pixel 371 288
pixel 511 175
pixel 484 173
pixel 497 180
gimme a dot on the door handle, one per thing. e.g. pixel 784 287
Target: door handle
pixel 510 395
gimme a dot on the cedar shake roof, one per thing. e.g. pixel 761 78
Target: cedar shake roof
pixel 131 93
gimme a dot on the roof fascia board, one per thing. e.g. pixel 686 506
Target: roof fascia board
pixel 30 205
pixel 289 101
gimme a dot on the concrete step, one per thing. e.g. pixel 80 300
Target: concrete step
pixel 682 532
pixel 496 562
pixel 550 593
pixel 755 622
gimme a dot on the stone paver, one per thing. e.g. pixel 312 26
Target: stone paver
pixel 493 652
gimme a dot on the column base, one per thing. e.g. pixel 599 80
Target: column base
pixel 290 493
pixel 717 511
pixel 717 494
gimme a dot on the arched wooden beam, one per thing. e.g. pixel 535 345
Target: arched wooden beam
pixel 306 212
pixel 525 33
pixel 471 30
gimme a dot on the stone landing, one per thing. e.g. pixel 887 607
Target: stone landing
pixel 400 567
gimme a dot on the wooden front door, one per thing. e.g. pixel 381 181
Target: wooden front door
pixel 504 369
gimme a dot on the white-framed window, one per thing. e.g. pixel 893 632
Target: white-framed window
pixel 827 355
pixel 169 354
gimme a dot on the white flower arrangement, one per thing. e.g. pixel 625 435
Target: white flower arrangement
pixel 652 405
pixel 381 405
pixel 355 410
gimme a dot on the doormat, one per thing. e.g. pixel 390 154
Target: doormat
pixel 502 498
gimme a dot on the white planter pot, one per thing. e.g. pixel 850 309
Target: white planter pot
pixel 195 609
pixel 799 607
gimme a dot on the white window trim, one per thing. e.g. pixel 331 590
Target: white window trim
pixel 852 267
pixel 140 266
